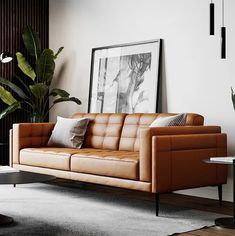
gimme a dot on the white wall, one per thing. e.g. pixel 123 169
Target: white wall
pixel 196 79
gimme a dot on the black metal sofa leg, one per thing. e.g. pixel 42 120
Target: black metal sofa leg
pixel 157 203
pixel 220 194
pixel 157 199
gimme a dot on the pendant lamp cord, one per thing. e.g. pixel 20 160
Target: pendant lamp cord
pixel 223 13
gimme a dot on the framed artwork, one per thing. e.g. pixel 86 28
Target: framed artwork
pixel 125 78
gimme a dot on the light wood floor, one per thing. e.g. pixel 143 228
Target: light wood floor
pixel 173 199
pixel 212 231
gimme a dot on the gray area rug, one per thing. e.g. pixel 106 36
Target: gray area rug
pixel 49 209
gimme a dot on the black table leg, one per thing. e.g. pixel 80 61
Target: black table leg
pixel 157 203
pixel 220 194
pixel 229 222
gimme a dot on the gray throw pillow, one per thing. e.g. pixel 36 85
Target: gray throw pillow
pixel 177 120
pixel 68 132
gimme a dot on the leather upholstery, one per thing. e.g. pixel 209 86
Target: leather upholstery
pixel 29 135
pixel 175 167
pixel 146 134
pixel 89 178
pixel 130 133
pixel 121 150
pixel 120 131
pixel 63 174
pixel 55 158
pixel 10 149
pixel 103 130
pixel 121 164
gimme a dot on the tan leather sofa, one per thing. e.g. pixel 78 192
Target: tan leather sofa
pixel 121 150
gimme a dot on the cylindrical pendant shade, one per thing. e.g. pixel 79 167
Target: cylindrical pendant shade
pixel 223 42
pixel 212 19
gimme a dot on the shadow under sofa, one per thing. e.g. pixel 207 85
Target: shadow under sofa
pixel 121 150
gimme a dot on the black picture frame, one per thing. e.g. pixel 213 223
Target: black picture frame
pixel 134 65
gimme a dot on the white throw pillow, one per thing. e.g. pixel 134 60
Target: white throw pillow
pixel 177 120
pixel 68 132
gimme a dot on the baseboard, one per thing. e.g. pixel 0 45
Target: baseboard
pixel 207 192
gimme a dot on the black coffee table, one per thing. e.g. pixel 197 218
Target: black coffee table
pixel 21 177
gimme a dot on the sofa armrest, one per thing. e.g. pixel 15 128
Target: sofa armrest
pixel 145 142
pixel 177 161
pixel 10 147
pixel 28 135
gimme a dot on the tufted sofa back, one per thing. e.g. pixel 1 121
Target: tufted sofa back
pixel 120 131
pixel 129 140
pixel 103 131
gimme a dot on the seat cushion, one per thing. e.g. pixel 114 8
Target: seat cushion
pixel 121 164
pixel 48 157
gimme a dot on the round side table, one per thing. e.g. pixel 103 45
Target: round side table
pixel 226 222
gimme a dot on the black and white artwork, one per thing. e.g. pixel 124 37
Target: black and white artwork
pixel 124 78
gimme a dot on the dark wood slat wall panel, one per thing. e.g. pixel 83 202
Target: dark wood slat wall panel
pixel 14 16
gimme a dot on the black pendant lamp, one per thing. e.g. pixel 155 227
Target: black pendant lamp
pixel 212 18
pixel 223 35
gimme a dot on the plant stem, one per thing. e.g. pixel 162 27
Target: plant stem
pixel 48 111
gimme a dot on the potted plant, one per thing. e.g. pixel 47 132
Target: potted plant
pixel 33 96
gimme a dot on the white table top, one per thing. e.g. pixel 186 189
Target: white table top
pixel 221 160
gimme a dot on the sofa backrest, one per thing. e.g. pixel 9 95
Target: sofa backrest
pixel 129 140
pixel 120 131
pixel 103 131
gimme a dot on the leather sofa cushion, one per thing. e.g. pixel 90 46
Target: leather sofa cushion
pixel 129 140
pixel 47 157
pixel 130 132
pixel 120 164
pixel 103 131
pixel 121 131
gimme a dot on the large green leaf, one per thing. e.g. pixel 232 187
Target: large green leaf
pixel 45 66
pixel 39 90
pixel 26 86
pixel 6 96
pixel 31 41
pixel 68 99
pixel 14 87
pixel 25 66
pixel 58 52
pixel 59 92
pixel 10 109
